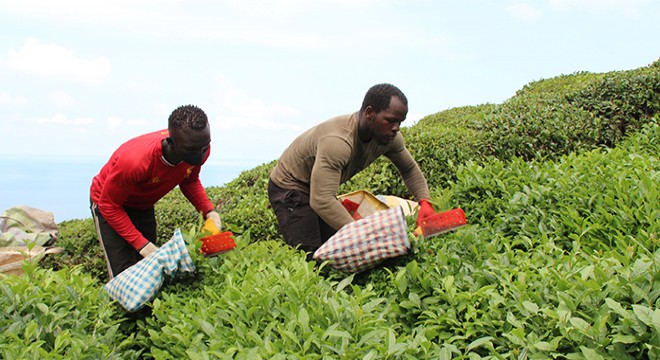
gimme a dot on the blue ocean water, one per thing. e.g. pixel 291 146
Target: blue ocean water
pixel 61 186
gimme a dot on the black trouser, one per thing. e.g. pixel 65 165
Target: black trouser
pixel 119 254
pixel 298 223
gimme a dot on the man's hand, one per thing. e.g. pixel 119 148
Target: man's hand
pixel 425 210
pixel 148 249
pixel 215 217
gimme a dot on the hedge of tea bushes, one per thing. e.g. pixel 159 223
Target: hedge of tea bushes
pixel 560 260
pixel 549 120
pixel 562 263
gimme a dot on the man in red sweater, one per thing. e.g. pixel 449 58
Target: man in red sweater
pixel 139 173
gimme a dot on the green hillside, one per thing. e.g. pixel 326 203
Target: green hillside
pixel 560 259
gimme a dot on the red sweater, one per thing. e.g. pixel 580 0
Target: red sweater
pixel 137 176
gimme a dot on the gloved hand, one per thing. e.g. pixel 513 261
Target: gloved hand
pixel 209 228
pixel 148 249
pixel 215 217
pixel 425 210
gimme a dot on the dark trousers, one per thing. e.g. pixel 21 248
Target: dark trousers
pixel 119 254
pixel 298 223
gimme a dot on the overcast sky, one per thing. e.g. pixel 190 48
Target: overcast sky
pixel 78 78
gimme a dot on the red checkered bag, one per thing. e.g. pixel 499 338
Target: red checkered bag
pixel 365 243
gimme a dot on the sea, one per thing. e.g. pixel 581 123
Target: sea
pixel 61 185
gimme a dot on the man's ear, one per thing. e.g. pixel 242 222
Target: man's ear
pixel 369 112
pixel 169 140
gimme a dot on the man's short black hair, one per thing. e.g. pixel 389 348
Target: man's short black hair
pixel 188 116
pixel 379 96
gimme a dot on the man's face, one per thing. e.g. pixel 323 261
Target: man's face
pixel 386 124
pixel 191 145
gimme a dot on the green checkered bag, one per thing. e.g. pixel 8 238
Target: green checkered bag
pixel 365 243
pixel 139 284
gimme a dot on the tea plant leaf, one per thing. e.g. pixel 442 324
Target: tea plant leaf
pixel 648 316
pixel 591 354
pixel 580 324
pixel 587 272
pixel 344 283
pixel 511 319
pixel 62 340
pixel 516 336
pixel 479 342
pixel 401 280
pixel 624 339
pixel 371 355
pixel 531 307
pixel 303 318
pixel 290 335
pixel 544 346
pixel 207 328
pixel 73 293
pixel 617 308
pixel 43 308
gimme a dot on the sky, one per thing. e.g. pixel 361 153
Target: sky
pixel 78 78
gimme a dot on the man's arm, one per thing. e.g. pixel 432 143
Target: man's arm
pixel 192 189
pixel 111 206
pixel 332 155
pixel 408 168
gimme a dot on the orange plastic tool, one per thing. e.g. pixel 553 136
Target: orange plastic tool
pixel 218 243
pixel 441 222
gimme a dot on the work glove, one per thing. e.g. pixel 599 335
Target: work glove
pixel 209 228
pixel 148 249
pixel 215 217
pixel 425 210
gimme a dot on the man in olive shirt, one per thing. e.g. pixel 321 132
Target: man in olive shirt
pixel 303 186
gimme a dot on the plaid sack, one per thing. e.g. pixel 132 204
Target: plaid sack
pixel 365 243
pixel 140 283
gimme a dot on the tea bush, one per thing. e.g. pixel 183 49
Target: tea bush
pixel 60 315
pixel 81 247
pixel 532 276
pixel 555 117
pixel 562 263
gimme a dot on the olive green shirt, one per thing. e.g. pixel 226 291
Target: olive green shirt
pixel 330 154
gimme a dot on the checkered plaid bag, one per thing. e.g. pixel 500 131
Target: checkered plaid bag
pixel 139 284
pixel 365 243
